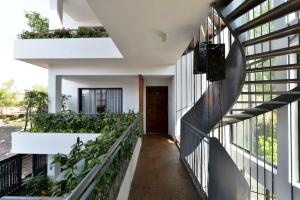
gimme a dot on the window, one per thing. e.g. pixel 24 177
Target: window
pixel 258 136
pixel 99 100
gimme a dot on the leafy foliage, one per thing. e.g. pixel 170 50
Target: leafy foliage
pixel 84 156
pixel 82 32
pixel 36 22
pixel 34 185
pixel 85 32
pixel 39 29
pixel 268 148
pixel 7 96
pixel 35 102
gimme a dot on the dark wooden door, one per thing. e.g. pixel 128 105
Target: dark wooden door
pixel 157 109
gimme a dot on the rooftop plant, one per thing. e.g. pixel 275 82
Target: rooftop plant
pixel 39 29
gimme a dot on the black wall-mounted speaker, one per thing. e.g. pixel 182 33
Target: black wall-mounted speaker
pixel 200 58
pixel 215 59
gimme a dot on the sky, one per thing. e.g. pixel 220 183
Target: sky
pixel 12 22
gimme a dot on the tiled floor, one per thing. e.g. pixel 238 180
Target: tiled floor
pixel 160 175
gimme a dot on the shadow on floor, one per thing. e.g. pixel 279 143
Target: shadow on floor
pixel 160 175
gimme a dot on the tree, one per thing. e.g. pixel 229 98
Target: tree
pixel 40 88
pixel 35 101
pixel 7 96
pixel 36 22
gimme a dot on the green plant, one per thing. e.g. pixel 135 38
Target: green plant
pixel 36 22
pixel 7 96
pixel 35 184
pixel 35 101
pixel 84 156
pixel 85 32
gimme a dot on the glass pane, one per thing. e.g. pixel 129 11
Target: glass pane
pixel 88 101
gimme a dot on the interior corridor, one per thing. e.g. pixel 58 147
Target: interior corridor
pixel 160 173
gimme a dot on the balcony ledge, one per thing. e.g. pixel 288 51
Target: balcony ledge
pixel 47 143
pixel 43 50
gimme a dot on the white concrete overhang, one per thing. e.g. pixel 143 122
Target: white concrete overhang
pixel 44 51
pixel 143 34
pixel 152 32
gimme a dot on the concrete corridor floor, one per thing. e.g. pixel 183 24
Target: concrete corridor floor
pixel 159 174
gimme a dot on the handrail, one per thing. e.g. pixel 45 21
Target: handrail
pixel 88 180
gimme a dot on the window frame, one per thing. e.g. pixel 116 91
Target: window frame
pixel 107 88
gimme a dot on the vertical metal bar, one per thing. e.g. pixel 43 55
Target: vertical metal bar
pixel 290 123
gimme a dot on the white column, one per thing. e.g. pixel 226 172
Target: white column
pixel 54 106
pixel 282 186
pixel 56 14
pixel 52 170
pixel 54 92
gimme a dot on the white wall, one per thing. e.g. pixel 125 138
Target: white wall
pixel 129 84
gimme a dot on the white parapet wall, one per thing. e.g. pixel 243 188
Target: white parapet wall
pixel 126 184
pixel 65 48
pixel 47 143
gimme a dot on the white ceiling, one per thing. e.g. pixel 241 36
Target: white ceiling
pixel 151 32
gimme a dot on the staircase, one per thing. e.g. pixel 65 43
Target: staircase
pixel 234 99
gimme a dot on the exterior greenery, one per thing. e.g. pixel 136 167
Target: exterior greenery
pixel 81 32
pixel 83 156
pixel 65 122
pixel 7 96
pixel 36 102
pixel 39 29
pixel 37 185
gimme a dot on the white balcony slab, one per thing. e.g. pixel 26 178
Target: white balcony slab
pixel 47 143
pixel 65 48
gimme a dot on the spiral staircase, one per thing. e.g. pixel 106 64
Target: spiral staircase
pixel 216 107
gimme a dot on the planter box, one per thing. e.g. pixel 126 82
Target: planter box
pixel 47 143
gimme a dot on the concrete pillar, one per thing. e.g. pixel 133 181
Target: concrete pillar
pixel 54 92
pixel 56 14
pixel 52 170
pixel 54 106
pixel 282 186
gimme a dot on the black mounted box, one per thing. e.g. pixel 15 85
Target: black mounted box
pixel 200 58
pixel 215 61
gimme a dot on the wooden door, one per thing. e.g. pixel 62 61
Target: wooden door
pixel 157 109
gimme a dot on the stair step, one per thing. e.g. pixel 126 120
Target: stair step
pixel 275 13
pixel 240 116
pixel 259 102
pixel 243 8
pixel 275 103
pixel 249 109
pixel 274 68
pixel 272 93
pixel 294 29
pixel 273 53
pixel 277 81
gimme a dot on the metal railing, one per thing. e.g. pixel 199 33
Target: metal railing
pixel 194 154
pixel 39 163
pixel 105 179
pixel 10 174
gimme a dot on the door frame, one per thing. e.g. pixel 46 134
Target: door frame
pixel 146 106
